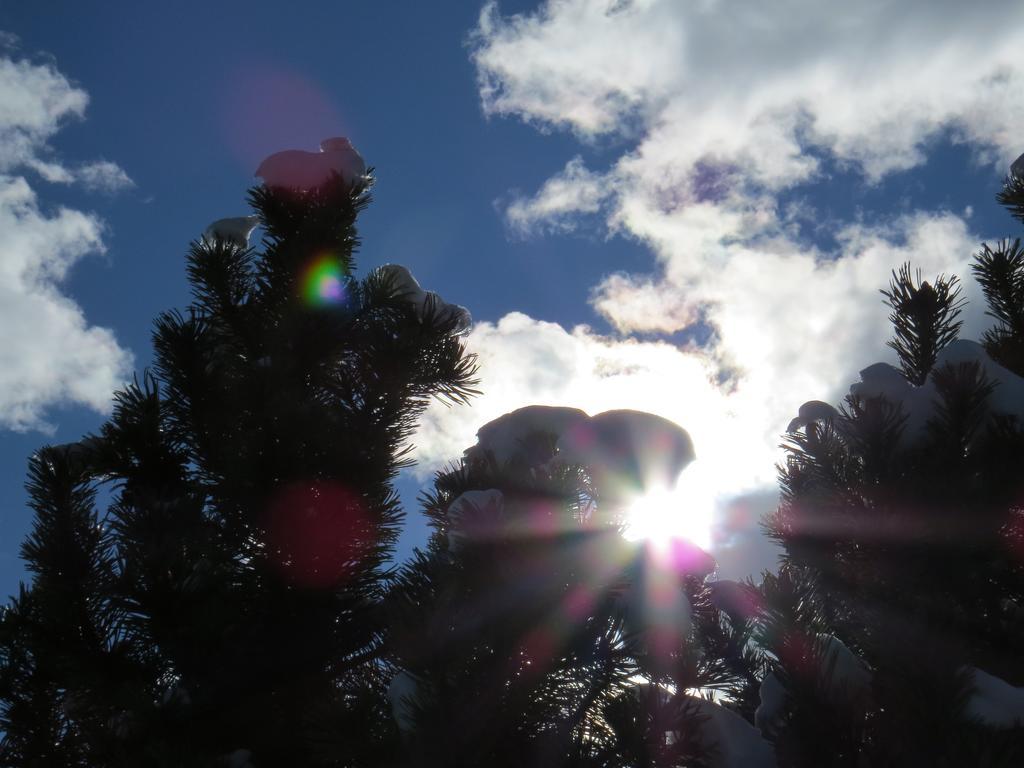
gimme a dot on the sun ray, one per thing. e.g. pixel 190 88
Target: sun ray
pixel 683 512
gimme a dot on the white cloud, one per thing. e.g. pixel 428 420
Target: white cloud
pixel 556 207
pixel 37 99
pixel 103 176
pixel 643 303
pixel 525 361
pixel 524 66
pixel 725 105
pixel 736 79
pixel 49 354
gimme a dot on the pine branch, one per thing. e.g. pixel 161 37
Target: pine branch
pixel 961 408
pixel 924 319
pixel 1012 196
pixel 1000 272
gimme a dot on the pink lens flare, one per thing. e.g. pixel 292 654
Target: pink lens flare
pixel 266 107
pixel 316 532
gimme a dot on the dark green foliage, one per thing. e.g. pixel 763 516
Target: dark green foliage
pixel 906 547
pixel 234 603
pixel 1000 273
pixel 924 318
pixel 230 596
pixel 1011 196
pixel 522 633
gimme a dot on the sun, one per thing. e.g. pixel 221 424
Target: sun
pixel 683 512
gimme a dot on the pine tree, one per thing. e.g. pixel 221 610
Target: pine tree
pixel 924 318
pixel 225 609
pixel 1001 275
pixel 902 583
pixel 531 632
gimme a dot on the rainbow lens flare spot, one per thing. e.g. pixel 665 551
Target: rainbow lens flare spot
pixel 323 281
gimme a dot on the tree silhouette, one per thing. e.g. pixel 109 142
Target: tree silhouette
pixel 894 623
pixel 234 604
pixel 225 609
pixel 924 318
pixel 530 632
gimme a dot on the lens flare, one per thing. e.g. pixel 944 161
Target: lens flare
pixel 685 512
pixel 265 107
pixel 323 281
pixel 316 532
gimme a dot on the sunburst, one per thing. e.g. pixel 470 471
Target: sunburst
pixel 683 512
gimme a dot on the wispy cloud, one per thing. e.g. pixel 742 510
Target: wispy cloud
pixel 50 354
pixel 559 203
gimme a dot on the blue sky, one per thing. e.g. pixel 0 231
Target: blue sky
pixel 636 215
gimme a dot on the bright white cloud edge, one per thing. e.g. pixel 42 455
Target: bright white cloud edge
pixel 51 355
